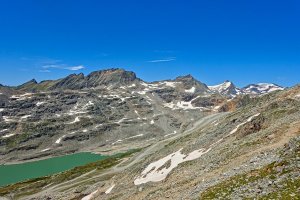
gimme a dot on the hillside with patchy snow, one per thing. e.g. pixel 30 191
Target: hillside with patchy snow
pixel 171 139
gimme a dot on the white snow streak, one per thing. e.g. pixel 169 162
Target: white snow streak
pixel 90 196
pixel 40 103
pixel 8 135
pixel 77 119
pixel 241 124
pixel 110 189
pixel 171 134
pixel 25 116
pixel 45 150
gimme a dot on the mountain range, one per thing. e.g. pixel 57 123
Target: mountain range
pixel 115 78
pixel 186 140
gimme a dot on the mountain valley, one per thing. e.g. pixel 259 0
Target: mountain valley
pixel 170 139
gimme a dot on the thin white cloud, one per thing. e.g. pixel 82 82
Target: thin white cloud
pixel 56 66
pixel 75 68
pixel 162 60
pixel 62 66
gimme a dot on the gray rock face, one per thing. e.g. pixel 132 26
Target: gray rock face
pixel 30 84
pixel 72 82
pixel 111 77
pixel 189 81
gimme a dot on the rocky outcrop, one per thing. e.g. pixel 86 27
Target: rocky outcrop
pixel 73 81
pixel 189 82
pixel 97 79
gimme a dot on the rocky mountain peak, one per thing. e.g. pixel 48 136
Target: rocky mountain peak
pixel 226 88
pixel 113 76
pixel 32 81
pixel 189 82
pixel 27 85
pixel 188 77
pixel 101 78
pixel 73 81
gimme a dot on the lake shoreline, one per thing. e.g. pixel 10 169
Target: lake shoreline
pixel 14 173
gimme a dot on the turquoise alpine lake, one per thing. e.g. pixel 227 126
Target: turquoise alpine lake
pixel 14 173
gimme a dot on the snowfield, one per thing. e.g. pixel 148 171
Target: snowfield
pixel 184 105
pixel 157 171
pixel 262 88
pixel 170 84
pixel 192 90
pixel 221 87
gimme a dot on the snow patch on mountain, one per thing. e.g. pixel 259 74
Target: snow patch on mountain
pixel 192 90
pixel 261 88
pixel 159 170
pixel 110 189
pixel 8 135
pixel 90 196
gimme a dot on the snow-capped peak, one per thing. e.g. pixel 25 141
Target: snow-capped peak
pixel 226 88
pixel 220 87
pixel 261 88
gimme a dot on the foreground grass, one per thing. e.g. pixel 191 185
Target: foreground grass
pixel 36 185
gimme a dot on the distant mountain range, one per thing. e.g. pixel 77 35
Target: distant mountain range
pixel 228 88
pixel 114 78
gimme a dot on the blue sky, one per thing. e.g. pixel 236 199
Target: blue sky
pixel 214 40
